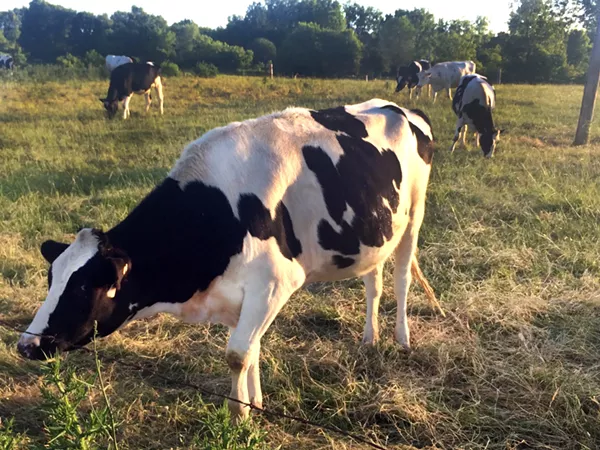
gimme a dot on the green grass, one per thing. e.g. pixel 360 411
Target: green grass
pixel 510 245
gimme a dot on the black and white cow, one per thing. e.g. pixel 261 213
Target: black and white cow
pixel 6 61
pixel 473 103
pixel 130 78
pixel 249 214
pixel 408 76
pixel 445 76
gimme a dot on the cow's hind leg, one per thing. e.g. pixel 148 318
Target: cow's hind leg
pixel 267 290
pixel 373 287
pixel 402 278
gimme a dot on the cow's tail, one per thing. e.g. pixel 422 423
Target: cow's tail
pixel 415 269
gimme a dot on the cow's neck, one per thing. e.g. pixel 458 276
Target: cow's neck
pixel 178 241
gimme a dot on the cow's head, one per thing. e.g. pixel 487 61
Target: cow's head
pixel 111 107
pixel 424 78
pixel 402 82
pixel 85 280
pixel 487 142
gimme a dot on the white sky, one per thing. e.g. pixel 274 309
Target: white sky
pixel 208 14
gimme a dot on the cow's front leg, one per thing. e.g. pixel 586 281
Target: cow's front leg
pixel 434 95
pixel 450 93
pixel 373 288
pixel 459 125
pixel 464 135
pixel 268 288
pixel 126 112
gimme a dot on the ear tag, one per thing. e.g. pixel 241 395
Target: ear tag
pixel 111 292
pixel 125 269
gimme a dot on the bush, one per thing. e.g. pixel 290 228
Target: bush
pixel 93 58
pixel 206 70
pixel 170 69
pixel 69 61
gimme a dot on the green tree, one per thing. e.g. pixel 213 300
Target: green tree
pixel 313 51
pixel 536 50
pixel 45 31
pixel 578 48
pixel 396 42
pixel 140 34
pixel 264 50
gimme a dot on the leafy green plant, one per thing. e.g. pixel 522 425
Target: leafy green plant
pixel 73 421
pixel 206 70
pixel 8 437
pixel 218 433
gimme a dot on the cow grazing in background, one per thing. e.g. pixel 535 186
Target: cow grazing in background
pixel 130 78
pixel 249 214
pixel 6 61
pixel 408 76
pixel 473 103
pixel 446 75
pixel 114 61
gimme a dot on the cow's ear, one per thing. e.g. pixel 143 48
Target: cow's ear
pixel 51 250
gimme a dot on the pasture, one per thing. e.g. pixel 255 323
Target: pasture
pixel 510 245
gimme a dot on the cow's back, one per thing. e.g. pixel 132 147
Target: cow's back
pixel 448 74
pixel 346 177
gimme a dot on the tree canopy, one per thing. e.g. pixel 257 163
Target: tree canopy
pixel 547 40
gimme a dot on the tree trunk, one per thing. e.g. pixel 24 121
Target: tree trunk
pixel 582 136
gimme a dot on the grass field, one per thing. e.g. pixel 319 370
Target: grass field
pixel 511 246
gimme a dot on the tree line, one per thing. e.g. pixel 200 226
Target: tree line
pixel 547 40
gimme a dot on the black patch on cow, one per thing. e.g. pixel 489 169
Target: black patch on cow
pixel 338 119
pixel 256 218
pixel 425 145
pixel 329 179
pixel 363 178
pixel 345 242
pixel 342 262
pixel 425 65
pixel 458 95
pixel 480 115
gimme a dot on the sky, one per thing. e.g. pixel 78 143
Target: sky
pixel 497 11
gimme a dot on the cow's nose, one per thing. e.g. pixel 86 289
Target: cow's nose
pixel 33 348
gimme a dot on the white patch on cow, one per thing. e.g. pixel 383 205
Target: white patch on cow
pixel 132 306
pixel 72 259
pixel 114 61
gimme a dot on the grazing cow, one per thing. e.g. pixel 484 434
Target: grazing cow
pixel 445 75
pixel 249 214
pixel 408 76
pixel 473 103
pixel 132 78
pixel 6 61
pixel 113 61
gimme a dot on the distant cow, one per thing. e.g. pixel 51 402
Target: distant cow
pixel 6 61
pixel 445 75
pixel 473 103
pixel 249 214
pixel 408 76
pixel 113 61
pixel 130 78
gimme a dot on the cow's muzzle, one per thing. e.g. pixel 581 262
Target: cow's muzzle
pixel 35 347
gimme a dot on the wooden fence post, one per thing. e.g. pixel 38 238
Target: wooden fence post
pixel 582 136
pixel 271 70
pixel 499 76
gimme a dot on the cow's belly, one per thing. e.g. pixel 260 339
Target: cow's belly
pixel 320 264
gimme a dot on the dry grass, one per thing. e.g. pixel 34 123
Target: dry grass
pixel 510 245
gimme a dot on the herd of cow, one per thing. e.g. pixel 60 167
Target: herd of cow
pixel 249 214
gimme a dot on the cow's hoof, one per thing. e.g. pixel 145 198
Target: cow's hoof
pixel 239 412
pixel 370 339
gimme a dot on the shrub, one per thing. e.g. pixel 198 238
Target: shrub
pixel 170 69
pixel 93 58
pixel 69 61
pixel 206 70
